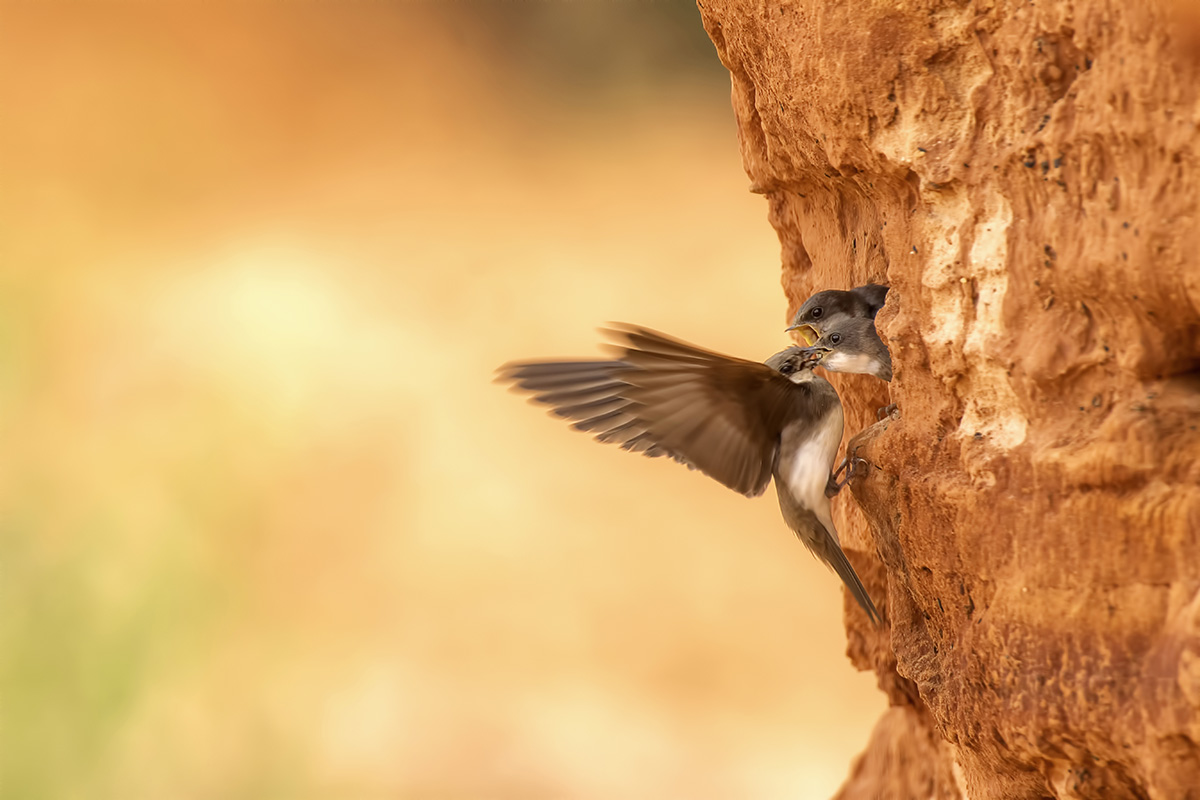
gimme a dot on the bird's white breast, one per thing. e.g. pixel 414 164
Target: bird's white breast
pixel 838 361
pixel 812 461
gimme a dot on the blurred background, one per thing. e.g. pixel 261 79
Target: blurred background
pixel 267 528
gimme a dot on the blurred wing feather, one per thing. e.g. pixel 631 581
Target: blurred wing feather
pixel 660 396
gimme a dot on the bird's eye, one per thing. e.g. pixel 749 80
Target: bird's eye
pixel 787 368
pixel 834 338
pixel 817 312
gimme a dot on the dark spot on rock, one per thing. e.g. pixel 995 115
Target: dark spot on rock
pixel 1096 401
pixel 1124 224
pixel 1058 162
pixel 922 150
pixel 965 164
pixel 1048 250
pixel 1045 167
pixel 914 248
pixel 1030 162
pixel 978 435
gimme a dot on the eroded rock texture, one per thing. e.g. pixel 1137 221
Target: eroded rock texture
pixel 1024 175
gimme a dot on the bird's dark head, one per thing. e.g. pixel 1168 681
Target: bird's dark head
pixel 824 309
pixel 852 345
pixel 795 363
pixel 814 316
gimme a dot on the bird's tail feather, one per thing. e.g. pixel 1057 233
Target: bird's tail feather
pixel 841 565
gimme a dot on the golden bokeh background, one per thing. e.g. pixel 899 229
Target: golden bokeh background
pixel 268 528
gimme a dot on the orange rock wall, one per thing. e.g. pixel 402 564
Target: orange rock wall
pixel 1024 175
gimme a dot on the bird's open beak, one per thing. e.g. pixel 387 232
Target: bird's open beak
pixel 807 332
pixel 813 355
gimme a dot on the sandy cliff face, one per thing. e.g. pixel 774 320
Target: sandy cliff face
pixel 1024 175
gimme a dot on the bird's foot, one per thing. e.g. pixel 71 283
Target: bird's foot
pixel 849 465
pixel 887 411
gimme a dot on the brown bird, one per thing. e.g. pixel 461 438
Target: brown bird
pixel 739 422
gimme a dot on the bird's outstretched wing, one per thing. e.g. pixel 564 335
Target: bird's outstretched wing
pixel 660 396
